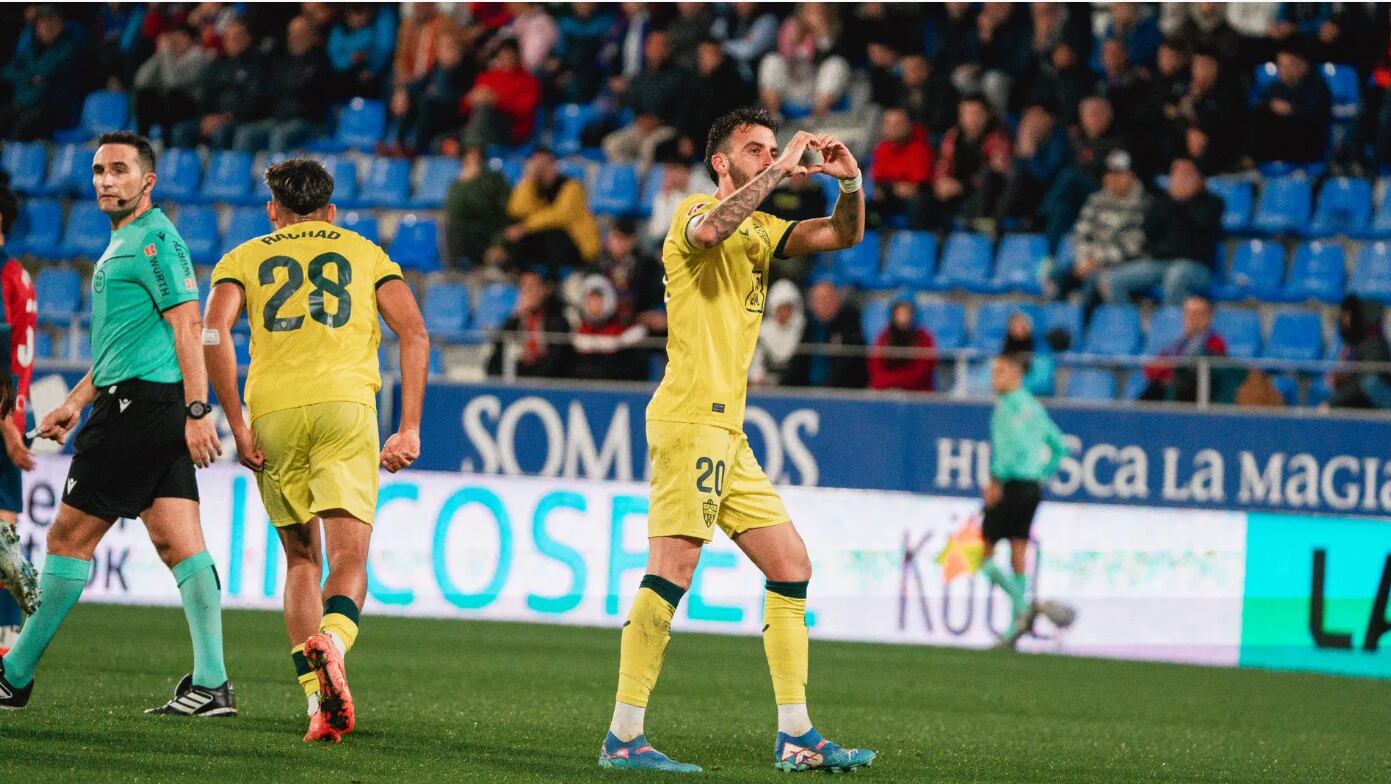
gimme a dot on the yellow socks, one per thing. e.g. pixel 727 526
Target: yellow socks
pixel 785 640
pixel 645 638
pixel 341 617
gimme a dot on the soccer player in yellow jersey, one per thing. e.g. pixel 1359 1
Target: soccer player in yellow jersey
pixel 312 293
pixel 704 475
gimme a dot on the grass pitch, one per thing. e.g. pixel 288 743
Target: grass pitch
pixel 490 702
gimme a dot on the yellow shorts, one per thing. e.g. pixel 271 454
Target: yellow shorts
pixel 318 457
pixel 703 475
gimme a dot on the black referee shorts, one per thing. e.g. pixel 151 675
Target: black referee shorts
pixel 1013 516
pixel 131 451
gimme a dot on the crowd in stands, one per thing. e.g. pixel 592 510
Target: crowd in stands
pixel 1102 130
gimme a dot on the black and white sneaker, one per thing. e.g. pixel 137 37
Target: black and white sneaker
pixel 12 697
pixel 190 700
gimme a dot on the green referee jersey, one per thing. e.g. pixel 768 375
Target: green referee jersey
pixel 1024 442
pixel 144 271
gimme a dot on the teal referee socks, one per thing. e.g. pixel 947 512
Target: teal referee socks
pixel 202 597
pixel 62 582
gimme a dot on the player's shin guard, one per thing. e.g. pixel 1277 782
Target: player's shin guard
pixel 785 640
pixel 645 638
pixel 201 592
pixel 307 679
pixel 62 582
pixel 341 618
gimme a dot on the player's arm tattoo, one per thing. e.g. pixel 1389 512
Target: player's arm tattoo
pixel 718 224
pixel 847 220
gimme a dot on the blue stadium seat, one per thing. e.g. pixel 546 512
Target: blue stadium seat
pixel 1344 207
pixel 912 259
pixel 361 222
pixel 434 176
pixel 346 193
pixel 1257 271
pixel 180 173
pixel 1240 329
pixel 495 303
pixel 1061 315
pixel 241 344
pixel 1371 277
pixel 260 191
pixel 1091 384
pixel 946 321
pixel 511 168
pixel 567 126
pixel 361 125
pixel 650 188
pixel 1238 196
pixel 198 226
pixel 575 170
pixel 1347 94
pixel 1135 384
pixel 1284 205
pixel 446 310
pixel 1166 326
pixel 1114 331
pixel 1063 255
pixel 1317 272
pixel 246 223
pixel 858 265
pixel 615 191
pixel 965 263
pixel 229 178
pixel 43 345
pixel 102 111
pixel 1381 221
pixel 1295 335
pixel 69 171
pixel 59 289
pixel 27 165
pixel 38 230
pixel 388 182
pixel 416 245
pixel 1016 263
pixel 874 317
pixel 87 233
pixel 437 367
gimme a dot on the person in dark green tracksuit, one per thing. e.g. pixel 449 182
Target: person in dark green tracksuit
pixel 1026 449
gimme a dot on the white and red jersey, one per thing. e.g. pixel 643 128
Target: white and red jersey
pixel 22 316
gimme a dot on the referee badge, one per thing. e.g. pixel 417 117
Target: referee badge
pixel 150 249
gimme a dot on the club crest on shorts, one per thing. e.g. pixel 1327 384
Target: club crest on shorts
pixel 708 510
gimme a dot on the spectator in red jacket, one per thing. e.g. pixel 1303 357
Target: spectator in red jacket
pixel 606 344
pixel 1167 380
pixel 501 107
pixel 902 168
pixel 974 160
pixel 916 374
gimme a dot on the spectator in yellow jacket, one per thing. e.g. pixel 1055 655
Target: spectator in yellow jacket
pixel 552 222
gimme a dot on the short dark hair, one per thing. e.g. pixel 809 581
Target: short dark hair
pixel 725 126
pixel 301 185
pixel 143 150
pixel 9 210
pixel 1019 359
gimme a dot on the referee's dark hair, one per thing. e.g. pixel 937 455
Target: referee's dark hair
pixel 725 126
pixel 301 185
pixel 1020 359
pixel 143 150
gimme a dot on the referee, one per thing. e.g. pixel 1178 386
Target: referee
pixel 135 457
pixel 1020 432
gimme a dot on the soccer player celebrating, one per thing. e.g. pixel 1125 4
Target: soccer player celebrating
pixel 716 258
pixel 149 428
pixel 1020 430
pixel 21 314
pixel 312 292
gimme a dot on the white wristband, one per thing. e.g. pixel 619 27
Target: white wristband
pixel 851 185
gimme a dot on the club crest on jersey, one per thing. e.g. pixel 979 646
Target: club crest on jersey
pixel 150 249
pixel 697 207
pixel 708 510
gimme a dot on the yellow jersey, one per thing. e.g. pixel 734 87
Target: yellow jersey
pixel 714 299
pixel 311 299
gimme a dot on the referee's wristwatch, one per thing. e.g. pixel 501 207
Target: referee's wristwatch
pixel 198 409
